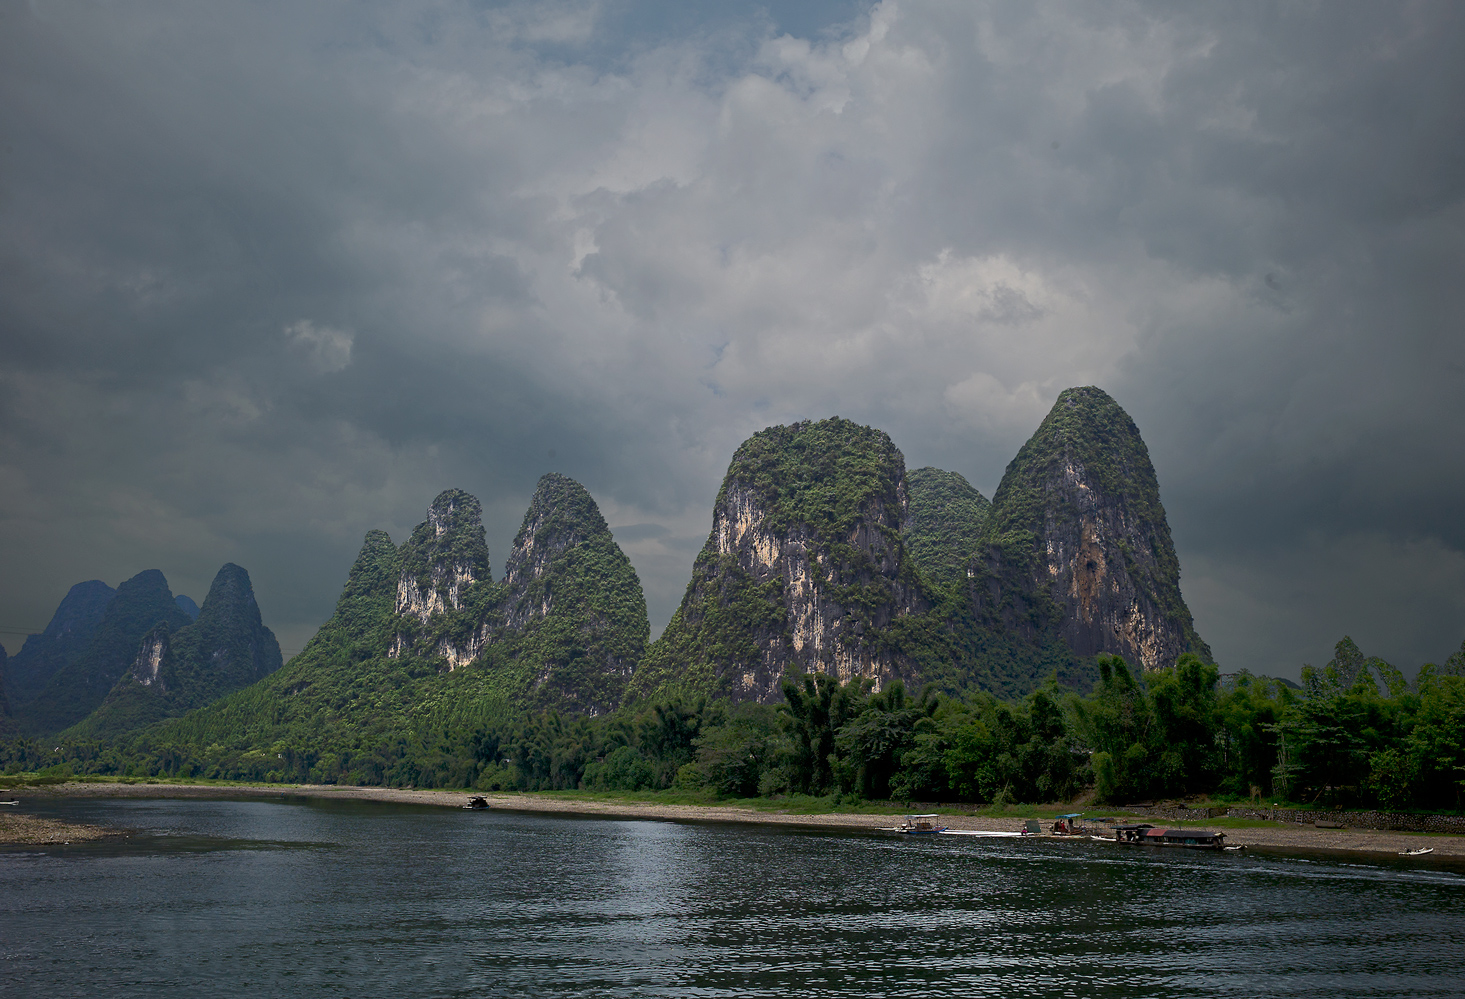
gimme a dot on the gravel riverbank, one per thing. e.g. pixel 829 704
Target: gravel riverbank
pixel 1281 836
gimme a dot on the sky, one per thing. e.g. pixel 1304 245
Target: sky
pixel 274 274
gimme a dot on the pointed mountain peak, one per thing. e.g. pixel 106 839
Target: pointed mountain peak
pixel 561 515
pixel 186 604
pixel 230 599
pixel 82 606
pixel 1087 441
pixel 454 512
pixel 65 638
pixel 149 581
pixel 571 607
pixel 1079 537
pixel 75 690
pixel 450 540
pixel 803 570
pixel 446 554
pixel 375 568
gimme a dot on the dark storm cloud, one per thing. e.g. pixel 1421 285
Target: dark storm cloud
pixel 273 274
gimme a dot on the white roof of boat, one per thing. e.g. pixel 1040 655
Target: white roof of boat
pixel 924 815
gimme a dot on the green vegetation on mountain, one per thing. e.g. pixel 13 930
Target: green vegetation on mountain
pixel 78 688
pixel 1076 543
pixel 1087 427
pixel 449 545
pixel 823 475
pixel 805 565
pixel 572 609
pixel 1355 734
pixel 990 630
pixel 715 631
pixel 944 526
pixel 226 648
pixel 342 710
pixel 66 637
pixel 372 698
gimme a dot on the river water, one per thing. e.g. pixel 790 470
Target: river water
pixel 267 898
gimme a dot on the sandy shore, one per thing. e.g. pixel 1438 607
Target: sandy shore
pixel 1285 836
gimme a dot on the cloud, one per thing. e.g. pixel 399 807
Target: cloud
pixel 322 348
pixel 271 275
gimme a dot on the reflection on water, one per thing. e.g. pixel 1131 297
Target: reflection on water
pixel 352 898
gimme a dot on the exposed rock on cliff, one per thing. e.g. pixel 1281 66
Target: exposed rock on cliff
pixel 147 668
pixel 226 648
pixel 1077 545
pixel 804 568
pixel 564 628
pixel 944 523
pixel 440 565
pixel 63 641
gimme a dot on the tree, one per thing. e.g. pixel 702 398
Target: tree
pixel 814 712
pixel 873 743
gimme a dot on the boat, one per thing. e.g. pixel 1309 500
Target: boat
pixel 1066 825
pixel 9 802
pixel 1144 834
pixel 477 802
pixel 1416 853
pixel 920 825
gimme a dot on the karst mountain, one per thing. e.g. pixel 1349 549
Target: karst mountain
pixel 825 555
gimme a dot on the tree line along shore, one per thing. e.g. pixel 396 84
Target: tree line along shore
pixel 1354 735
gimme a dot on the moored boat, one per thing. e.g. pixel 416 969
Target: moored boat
pixel 1069 825
pixel 477 802
pixel 1144 834
pixel 920 825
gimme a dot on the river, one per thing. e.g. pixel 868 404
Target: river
pixel 351 898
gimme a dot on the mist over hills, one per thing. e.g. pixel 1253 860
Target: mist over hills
pixel 112 661
pixel 65 637
pixel 224 648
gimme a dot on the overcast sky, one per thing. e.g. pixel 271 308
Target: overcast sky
pixel 273 274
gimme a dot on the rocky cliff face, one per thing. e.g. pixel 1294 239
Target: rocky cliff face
pixel 63 641
pixel 568 621
pixel 147 668
pixel 440 564
pixel 1077 544
pixel 804 568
